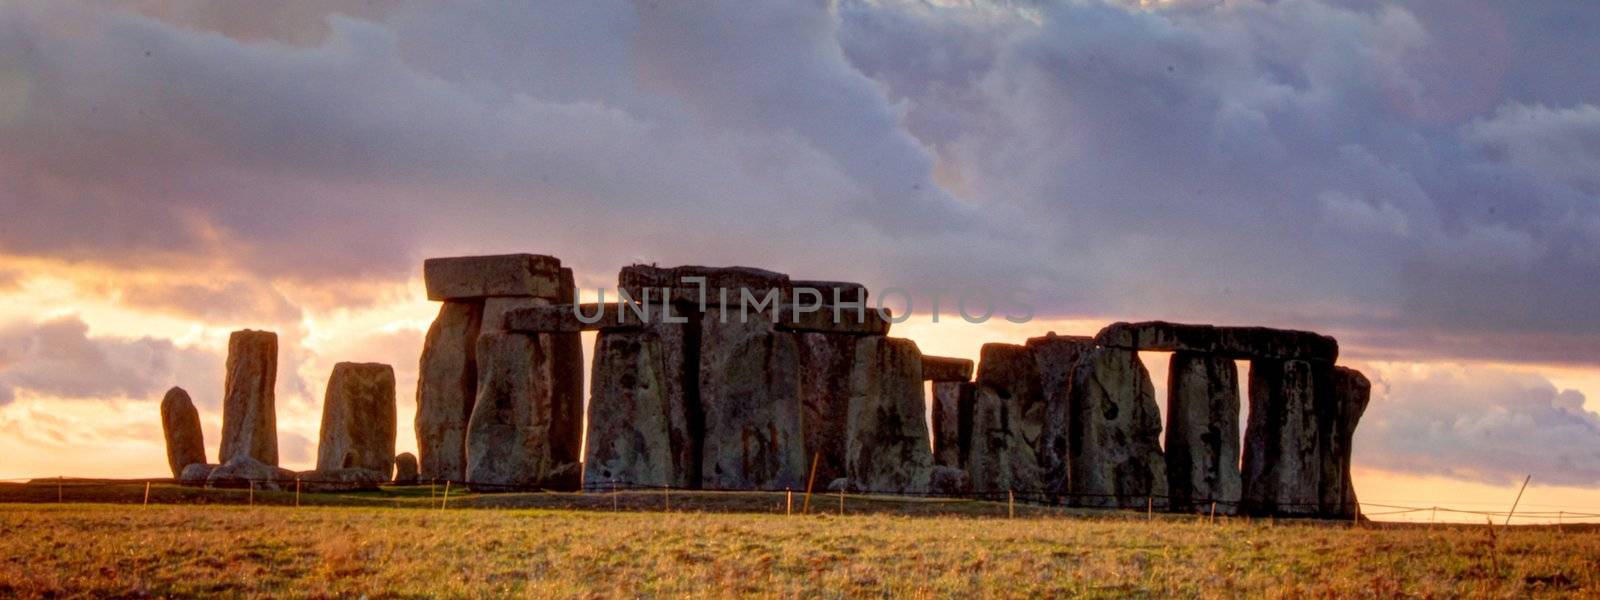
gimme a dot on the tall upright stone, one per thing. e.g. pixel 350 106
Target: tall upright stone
pixel 1281 466
pixel 952 422
pixel 750 396
pixel 1054 358
pixel 447 387
pixel 515 438
pixel 180 425
pixel 888 446
pixel 358 419
pixel 1007 422
pixel 1203 432
pixel 643 429
pixel 1340 409
pixel 1115 432
pixel 826 363
pixel 249 412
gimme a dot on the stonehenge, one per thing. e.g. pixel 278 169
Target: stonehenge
pixel 737 378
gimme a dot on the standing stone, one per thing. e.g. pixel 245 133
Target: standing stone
pixel 249 414
pixel 826 363
pixel 180 423
pixel 1203 433
pixel 514 433
pixel 405 469
pixel 750 397
pixel 1007 420
pixel 1115 432
pixel 639 410
pixel 358 419
pixel 447 387
pixel 567 368
pixel 888 448
pixel 1339 411
pixel 1282 469
pixel 1055 357
pixel 952 422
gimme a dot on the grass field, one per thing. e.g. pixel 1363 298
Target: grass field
pixel 341 548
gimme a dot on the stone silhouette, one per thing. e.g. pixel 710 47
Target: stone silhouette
pixel 1203 432
pixel 515 437
pixel 180 424
pixel 249 412
pixel 1281 466
pixel 643 429
pixel 447 387
pixel 358 419
pixel 887 447
pixel 1054 359
pixel 1007 420
pixel 405 469
pixel 1115 432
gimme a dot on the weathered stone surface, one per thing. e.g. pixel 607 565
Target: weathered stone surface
pixel 1281 465
pixel 952 422
pixel 940 368
pixel 405 469
pixel 570 318
pixel 635 278
pixel 1229 342
pixel 1055 357
pixel 750 396
pixel 568 369
pixel 1007 421
pixel 180 424
pixel 470 277
pixel 249 412
pixel 358 419
pixel 832 292
pixel 242 470
pixel 826 364
pixel 643 428
pixel 1203 433
pixel 949 481
pixel 517 437
pixel 447 387
pixel 1114 432
pixel 832 319
pixel 838 484
pixel 888 445
pixel 196 474
pixel 1340 409
pixel 341 480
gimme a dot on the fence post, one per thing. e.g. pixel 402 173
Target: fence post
pixel 1213 511
pixel 805 507
pixel 1514 503
pixel 1011 504
pixel 841 497
pixel 147 493
pixel 1149 507
pixel 297 491
pixel 58 489
pixel 445 501
pixel 788 501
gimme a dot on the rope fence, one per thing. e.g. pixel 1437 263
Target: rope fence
pixel 611 495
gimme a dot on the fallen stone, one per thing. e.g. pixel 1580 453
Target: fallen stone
pixel 838 484
pixel 949 481
pixel 826 363
pixel 358 419
pixel 832 292
pixel 1203 433
pixel 180 425
pixel 472 277
pixel 1229 342
pixel 1115 433
pixel 1055 357
pixel 640 416
pixel 249 413
pixel 1007 421
pixel 516 437
pixel 952 421
pixel 750 398
pixel 942 369
pixel 196 474
pixel 341 480
pixel 1281 465
pixel 888 445
pixel 1340 409
pixel 243 470
pixel 447 387
pixel 405 469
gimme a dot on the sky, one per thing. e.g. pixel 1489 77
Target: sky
pixel 1420 180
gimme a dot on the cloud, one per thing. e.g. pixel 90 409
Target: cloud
pixel 58 358
pixel 1481 424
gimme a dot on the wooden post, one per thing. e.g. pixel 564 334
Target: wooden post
pixel 788 501
pixel 1213 511
pixel 841 497
pixel 1011 504
pixel 58 489
pixel 1149 507
pixel 805 507
pixel 445 501
pixel 297 491
pixel 1514 503
pixel 147 493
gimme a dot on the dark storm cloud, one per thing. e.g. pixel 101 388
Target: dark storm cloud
pixel 1399 174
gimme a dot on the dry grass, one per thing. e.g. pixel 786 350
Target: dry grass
pixel 104 550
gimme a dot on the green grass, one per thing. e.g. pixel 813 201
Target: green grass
pixel 379 551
